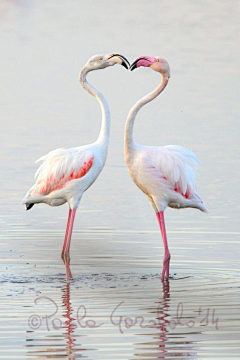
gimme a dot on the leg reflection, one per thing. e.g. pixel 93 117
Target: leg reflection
pixel 69 324
pixel 163 317
pixel 170 341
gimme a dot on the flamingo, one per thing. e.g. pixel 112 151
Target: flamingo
pixel 65 174
pixel 166 174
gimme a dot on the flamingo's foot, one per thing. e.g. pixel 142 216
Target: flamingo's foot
pixel 66 259
pixel 166 266
pixel 68 273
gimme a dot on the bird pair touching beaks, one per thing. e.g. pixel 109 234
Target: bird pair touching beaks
pixel 102 61
pixel 140 61
pixel 166 174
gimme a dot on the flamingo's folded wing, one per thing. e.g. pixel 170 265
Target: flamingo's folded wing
pixel 61 166
pixel 178 166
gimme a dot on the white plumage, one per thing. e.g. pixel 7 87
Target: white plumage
pixel 65 174
pixel 166 174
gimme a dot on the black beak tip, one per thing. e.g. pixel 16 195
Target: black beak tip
pixel 124 65
pixel 125 61
pixel 133 67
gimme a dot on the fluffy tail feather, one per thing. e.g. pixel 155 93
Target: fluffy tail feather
pixel 31 199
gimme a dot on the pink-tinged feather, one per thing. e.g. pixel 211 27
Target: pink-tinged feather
pixel 59 168
pixel 161 172
pixel 175 165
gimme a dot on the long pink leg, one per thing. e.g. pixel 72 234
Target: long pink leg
pixel 66 232
pixel 167 256
pixel 67 242
pixel 63 254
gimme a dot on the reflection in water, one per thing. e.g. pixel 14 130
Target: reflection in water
pixel 156 321
pixel 163 316
pixel 69 322
pixel 164 339
pixel 57 330
pixel 165 343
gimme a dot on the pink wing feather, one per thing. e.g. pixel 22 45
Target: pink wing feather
pixel 59 167
pixel 178 167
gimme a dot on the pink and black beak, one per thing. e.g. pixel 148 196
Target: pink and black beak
pixel 125 61
pixel 134 64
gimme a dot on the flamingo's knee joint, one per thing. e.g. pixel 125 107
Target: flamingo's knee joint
pixel 167 257
pixel 65 257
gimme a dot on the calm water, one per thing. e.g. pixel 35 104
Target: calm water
pixel 116 307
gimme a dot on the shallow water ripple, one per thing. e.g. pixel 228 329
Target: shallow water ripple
pixel 128 312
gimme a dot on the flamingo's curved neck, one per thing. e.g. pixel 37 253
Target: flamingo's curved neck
pixel 103 138
pixel 129 142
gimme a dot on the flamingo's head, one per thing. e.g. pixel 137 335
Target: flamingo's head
pixel 155 63
pixel 102 61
